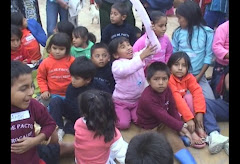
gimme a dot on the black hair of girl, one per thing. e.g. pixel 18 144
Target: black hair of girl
pixel 66 27
pixel 97 108
pixel 191 11
pixel 60 39
pixel 98 45
pixel 175 57
pixel 157 66
pixel 122 7
pixel 113 45
pixel 82 32
pixel 18 69
pixel 15 31
pixel 17 19
pixel 155 15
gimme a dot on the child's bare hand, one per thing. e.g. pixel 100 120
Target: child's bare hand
pixel 191 126
pixel 149 50
pixel 23 145
pixel 185 132
pixel 45 95
pixel 24 61
pixel 199 120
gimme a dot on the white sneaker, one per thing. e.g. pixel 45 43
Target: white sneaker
pixel 216 143
pixel 60 134
pixel 226 148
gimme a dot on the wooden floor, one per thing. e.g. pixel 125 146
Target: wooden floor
pixel 202 156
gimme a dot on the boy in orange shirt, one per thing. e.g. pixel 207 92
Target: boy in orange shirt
pixel 191 105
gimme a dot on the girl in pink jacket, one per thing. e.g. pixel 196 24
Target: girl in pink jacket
pixel 159 26
pixel 128 72
pixel 220 47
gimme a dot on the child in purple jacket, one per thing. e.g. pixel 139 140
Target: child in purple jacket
pixel 127 69
pixel 157 111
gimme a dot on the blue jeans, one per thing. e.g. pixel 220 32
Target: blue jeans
pixel 52 11
pixel 214 18
pixel 207 90
pixel 217 110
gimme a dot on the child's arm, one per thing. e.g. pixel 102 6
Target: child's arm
pixel 218 46
pixel 119 148
pixel 175 40
pixel 42 78
pixel 148 51
pixel 26 143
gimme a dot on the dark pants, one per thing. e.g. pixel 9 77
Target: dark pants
pixel 218 72
pixel 217 110
pixel 49 153
pixel 58 110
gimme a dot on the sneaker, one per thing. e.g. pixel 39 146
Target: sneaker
pixel 60 134
pixel 216 143
pixel 226 148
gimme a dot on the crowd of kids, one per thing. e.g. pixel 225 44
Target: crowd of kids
pixel 94 90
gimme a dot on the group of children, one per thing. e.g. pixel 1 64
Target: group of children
pixel 94 90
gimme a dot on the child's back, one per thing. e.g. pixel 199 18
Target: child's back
pixel 96 130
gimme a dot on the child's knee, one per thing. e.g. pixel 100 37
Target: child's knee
pixel 123 124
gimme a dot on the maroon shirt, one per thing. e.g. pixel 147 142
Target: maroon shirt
pixel 23 126
pixel 156 108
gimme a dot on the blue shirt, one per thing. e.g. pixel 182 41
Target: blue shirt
pixel 201 52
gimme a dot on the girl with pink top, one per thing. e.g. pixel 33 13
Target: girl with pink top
pixel 159 26
pixel 97 140
pixel 220 47
pixel 128 72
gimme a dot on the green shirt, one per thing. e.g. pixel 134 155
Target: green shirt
pixel 78 51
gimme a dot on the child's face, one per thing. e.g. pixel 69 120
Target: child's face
pixel 78 41
pixel 22 91
pixel 15 42
pixel 78 81
pixel 58 52
pixel 124 50
pixel 160 26
pixel 182 21
pixel 159 81
pixel 179 68
pixel 100 57
pixel 116 17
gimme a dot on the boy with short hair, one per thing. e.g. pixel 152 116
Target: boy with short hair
pixel 118 26
pixel 101 59
pixel 149 148
pixel 82 71
pixel 25 111
pixel 157 111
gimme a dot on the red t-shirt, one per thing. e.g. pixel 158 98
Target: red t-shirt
pixel 20 54
pixel 31 44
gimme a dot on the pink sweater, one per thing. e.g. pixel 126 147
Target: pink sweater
pixel 94 150
pixel 165 52
pixel 220 45
pixel 129 77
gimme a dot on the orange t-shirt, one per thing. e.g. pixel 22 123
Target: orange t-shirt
pixel 31 44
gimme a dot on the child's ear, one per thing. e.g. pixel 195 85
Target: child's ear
pixel 115 56
pixel 124 17
pixel 88 80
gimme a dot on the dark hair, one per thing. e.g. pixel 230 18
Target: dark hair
pixel 18 69
pixel 83 67
pixel 113 45
pixel 98 45
pixel 191 11
pixel 60 39
pixel 157 66
pixel 149 148
pixel 15 31
pixel 82 32
pixel 17 19
pixel 66 27
pixel 177 56
pixel 122 7
pixel 97 108
pixel 155 15
pixel 92 37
